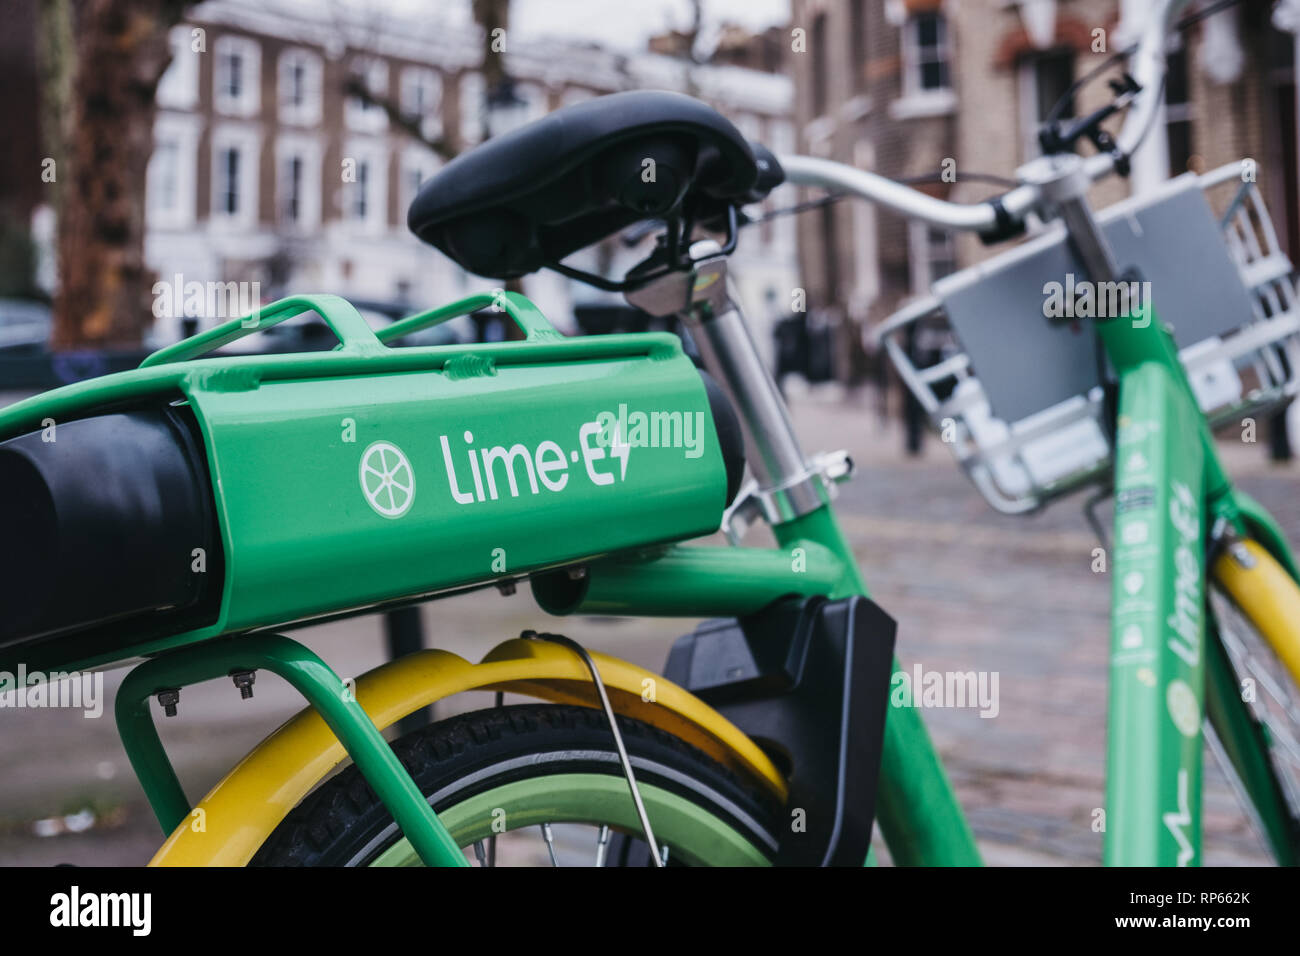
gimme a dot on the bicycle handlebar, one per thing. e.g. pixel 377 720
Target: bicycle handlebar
pixel 1147 67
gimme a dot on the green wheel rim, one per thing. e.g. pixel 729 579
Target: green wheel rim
pixel 696 836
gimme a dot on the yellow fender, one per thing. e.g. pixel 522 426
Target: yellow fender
pixel 239 813
pixel 1267 595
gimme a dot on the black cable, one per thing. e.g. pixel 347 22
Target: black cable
pixel 1187 21
pixel 937 177
pixel 793 210
pixel 1055 112
pixel 1052 115
pixel 1204 12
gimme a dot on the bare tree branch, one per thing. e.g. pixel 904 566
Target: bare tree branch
pixel 410 125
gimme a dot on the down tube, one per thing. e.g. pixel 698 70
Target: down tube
pixel 1157 662
pixel 918 811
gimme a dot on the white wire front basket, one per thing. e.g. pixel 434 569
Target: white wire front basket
pixel 1033 428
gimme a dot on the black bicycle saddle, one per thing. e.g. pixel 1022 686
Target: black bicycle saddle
pixel 560 183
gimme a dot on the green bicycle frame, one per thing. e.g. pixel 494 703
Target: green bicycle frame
pixel 296 447
pixel 300 541
pixel 1168 670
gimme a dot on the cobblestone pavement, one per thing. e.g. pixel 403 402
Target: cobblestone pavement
pixel 972 590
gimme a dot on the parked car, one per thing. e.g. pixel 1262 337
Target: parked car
pixel 379 314
pixel 26 362
pixel 25 326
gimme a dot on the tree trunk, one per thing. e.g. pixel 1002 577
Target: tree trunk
pixel 491 16
pixel 56 56
pixel 104 285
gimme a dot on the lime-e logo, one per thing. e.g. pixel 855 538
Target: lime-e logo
pixel 387 479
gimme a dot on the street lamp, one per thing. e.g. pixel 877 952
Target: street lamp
pixel 506 109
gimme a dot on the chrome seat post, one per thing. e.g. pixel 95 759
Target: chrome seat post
pixel 788 486
pixel 771 446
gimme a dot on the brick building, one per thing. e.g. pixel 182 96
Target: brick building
pixel 900 86
pixel 266 170
pixel 255 135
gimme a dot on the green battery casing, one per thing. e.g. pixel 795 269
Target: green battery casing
pixel 370 474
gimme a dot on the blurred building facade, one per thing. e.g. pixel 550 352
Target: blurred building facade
pixel 266 169
pixel 903 87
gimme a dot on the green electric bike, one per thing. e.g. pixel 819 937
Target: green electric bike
pixel 186 515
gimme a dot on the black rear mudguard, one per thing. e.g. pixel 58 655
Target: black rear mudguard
pixel 808 680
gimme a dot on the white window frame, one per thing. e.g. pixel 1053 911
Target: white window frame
pixel 249 144
pixel 166 148
pixel 415 79
pixel 414 159
pixel 866 252
pixel 470 92
pixel 537 98
pixel 178 89
pixel 372 119
pixel 781 141
pixel 249 100
pixel 748 124
pixel 576 94
pixel 916 100
pixel 308 112
pixel 1028 106
pixel 918 255
pixel 531 102
pixel 308 150
pixel 183 131
pixel 375 159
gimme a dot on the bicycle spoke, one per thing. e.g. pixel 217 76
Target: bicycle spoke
pixel 492 840
pixel 1274 704
pixel 550 843
pixel 478 853
pixel 602 845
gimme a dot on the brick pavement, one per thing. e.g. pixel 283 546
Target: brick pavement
pixel 972 591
